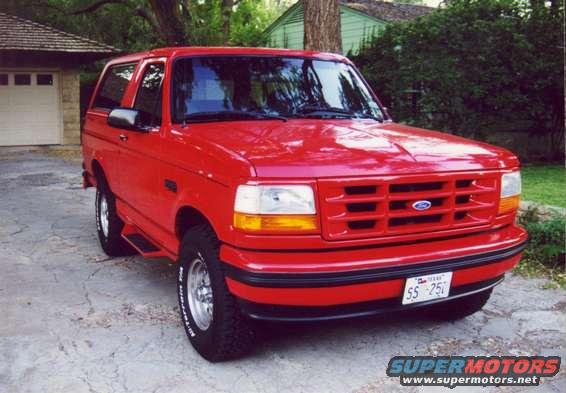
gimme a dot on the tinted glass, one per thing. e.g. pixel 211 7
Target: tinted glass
pixel 113 86
pixel 148 99
pixel 3 79
pixel 45 79
pixel 221 88
pixel 22 79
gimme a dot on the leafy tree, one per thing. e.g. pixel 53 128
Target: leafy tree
pixel 232 22
pixel 250 20
pixel 475 66
pixel 113 23
pixel 417 2
pixel 135 25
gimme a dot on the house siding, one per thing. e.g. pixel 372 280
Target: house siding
pixel 70 106
pixel 289 32
pixel 356 26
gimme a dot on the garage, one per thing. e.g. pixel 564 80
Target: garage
pixel 21 91
pixel 40 82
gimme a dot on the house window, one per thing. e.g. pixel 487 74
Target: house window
pixel 44 79
pixel 3 79
pixel 22 79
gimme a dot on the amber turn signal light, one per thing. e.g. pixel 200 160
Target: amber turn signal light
pixel 508 204
pixel 256 222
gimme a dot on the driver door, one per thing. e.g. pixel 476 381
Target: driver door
pixel 140 150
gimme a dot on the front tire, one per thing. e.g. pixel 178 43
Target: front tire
pixel 109 226
pixel 454 310
pixel 213 322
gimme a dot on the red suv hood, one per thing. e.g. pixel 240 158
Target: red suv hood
pixel 310 148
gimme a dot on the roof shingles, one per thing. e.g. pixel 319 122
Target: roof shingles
pixel 20 34
pixel 387 11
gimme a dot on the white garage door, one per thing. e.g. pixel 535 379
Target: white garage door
pixel 29 108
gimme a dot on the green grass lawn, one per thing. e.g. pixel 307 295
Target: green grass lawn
pixel 544 184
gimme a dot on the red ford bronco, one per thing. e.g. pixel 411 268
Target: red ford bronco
pixel 286 193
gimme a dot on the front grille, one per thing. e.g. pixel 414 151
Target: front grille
pixel 383 206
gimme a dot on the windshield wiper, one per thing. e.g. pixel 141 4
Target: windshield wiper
pixel 228 115
pixel 312 109
pixel 372 117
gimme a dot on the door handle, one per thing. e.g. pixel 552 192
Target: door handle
pixel 123 137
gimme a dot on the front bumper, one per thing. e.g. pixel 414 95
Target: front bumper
pixel 335 277
pixel 278 313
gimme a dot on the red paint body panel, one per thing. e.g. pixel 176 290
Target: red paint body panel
pixel 207 162
pixel 345 294
pixel 295 261
pixel 317 148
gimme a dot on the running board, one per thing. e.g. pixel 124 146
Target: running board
pixel 141 243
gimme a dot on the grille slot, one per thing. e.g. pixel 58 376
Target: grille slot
pixel 413 187
pixel 463 183
pixel 359 190
pixel 460 199
pixel 394 222
pixel 383 206
pixel 361 224
pixel 361 207
pixel 434 202
pixel 397 205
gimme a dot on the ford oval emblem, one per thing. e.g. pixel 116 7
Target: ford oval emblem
pixel 422 205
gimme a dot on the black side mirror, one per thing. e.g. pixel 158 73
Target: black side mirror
pixel 125 118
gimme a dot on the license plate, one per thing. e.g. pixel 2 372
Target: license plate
pixel 429 287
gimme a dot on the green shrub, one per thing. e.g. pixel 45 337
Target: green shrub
pixel 475 67
pixel 545 252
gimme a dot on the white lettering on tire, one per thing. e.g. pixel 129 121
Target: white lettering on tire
pixel 182 301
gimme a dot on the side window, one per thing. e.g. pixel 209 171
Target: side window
pixel 148 99
pixel 113 86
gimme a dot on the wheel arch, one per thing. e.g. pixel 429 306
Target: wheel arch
pixel 98 172
pixel 188 217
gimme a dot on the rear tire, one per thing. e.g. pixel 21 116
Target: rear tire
pixel 109 225
pixel 454 310
pixel 213 322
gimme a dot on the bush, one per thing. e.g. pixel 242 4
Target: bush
pixel 475 67
pixel 545 252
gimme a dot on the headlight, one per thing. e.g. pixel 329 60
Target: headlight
pixel 510 184
pixel 297 199
pixel 275 207
pixel 510 192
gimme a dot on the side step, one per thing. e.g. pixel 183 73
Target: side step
pixel 141 243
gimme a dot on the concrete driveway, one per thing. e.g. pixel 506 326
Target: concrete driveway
pixel 73 320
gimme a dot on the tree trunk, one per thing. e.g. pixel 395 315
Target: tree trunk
pixel 322 26
pixel 171 26
pixel 227 9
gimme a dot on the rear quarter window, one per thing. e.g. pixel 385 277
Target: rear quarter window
pixel 114 83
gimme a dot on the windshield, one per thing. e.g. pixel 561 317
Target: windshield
pixel 240 87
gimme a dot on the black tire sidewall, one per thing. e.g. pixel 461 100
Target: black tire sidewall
pixel 229 334
pixel 201 339
pixel 101 237
pixel 112 244
pixel 197 336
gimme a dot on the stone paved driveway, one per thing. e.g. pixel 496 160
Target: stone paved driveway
pixel 73 320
